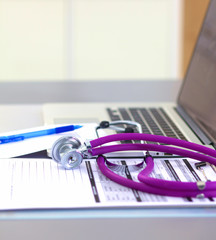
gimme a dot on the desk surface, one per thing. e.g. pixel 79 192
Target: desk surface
pixel 189 223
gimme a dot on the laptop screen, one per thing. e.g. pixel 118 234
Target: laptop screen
pixel 198 94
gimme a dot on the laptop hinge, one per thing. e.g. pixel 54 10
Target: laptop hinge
pixel 194 127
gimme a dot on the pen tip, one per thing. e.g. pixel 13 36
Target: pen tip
pixel 77 126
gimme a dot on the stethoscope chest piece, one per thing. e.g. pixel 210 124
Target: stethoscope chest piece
pixel 72 159
pixel 65 151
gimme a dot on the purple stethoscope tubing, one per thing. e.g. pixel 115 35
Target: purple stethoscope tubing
pixel 148 184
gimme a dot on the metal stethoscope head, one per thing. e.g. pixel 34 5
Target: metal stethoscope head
pixel 69 152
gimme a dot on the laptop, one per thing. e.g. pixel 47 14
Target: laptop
pixel 192 117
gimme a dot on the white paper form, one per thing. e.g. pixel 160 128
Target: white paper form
pixel 42 184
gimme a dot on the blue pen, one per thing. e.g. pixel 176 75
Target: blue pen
pixel 23 136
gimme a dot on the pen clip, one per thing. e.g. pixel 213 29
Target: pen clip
pixel 11 139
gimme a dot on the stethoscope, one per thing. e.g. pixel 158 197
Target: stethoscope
pixel 69 152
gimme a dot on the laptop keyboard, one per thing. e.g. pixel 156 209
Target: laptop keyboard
pixel 152 120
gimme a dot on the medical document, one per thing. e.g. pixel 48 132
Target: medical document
pixel 43 184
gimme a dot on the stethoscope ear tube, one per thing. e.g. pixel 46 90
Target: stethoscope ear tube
pixel 153 138
pixel 153 147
